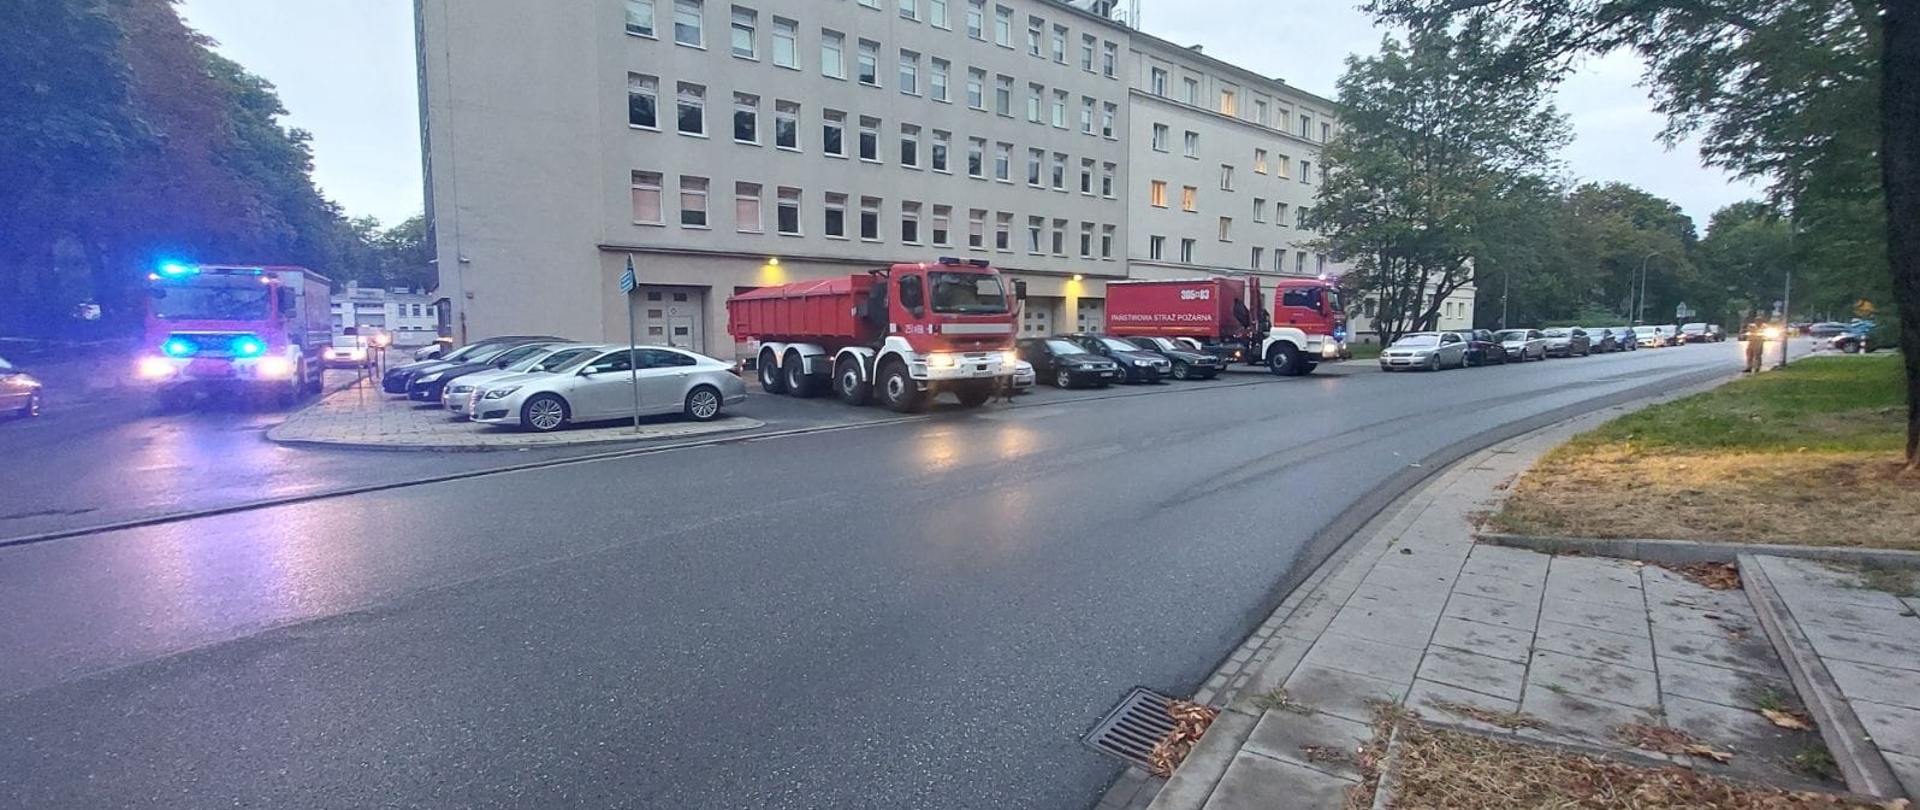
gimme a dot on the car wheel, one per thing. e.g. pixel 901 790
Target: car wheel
pixel 544 413
pixel 1433 362
pixel 32 408
pixel 1181 370
pixel 897 389
pixel 1062 379
pixel 703 403
pixel 1850 347
pixel 771 380
pixel 851 382
pixel 1284 361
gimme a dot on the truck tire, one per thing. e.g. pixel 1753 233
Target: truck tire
pixel 799 383
pixel 1307 368
pixel 319 381
pixel 974 396
pixel 850 382
pixel 771 380
pixel 1284 361
pixel 897 390
pixel 296 387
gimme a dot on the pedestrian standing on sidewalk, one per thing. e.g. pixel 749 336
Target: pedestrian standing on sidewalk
pixel 1756 345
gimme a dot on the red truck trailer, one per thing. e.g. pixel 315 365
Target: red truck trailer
pixel 907 333
pixel 233 326
pixel 1229 316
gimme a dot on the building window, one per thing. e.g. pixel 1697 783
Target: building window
pixel 692 109
pixel 786 43
pixel 746 118
pixel 939 150
pixel 1035 159
pixel 977 157
pixel 1193 144
pixel 937 13
pixel 910 223
pixel 787 213
pixel 1306 126
pixel 1300 220
pixel 833 48
pixel 1157 84
pixel 1036 227
pixel 1283 167
pixel 1189 199
pixel 976 88
pixel 1186 250
pixel 833 131
pixel 942 217
pixel 1320 266
pixel 1086 176
pixel 1034 94
pixel 1087 43
pixel 1086 240
pixel 1086 115
pixel 1259 210
pixel 1190 91
pixel 1059 171
pixel 910 9
pixel 1109 59
pixel 937 70
pixel 1259 161
pixel 689 21
pixel 1060 109
pixel 1035 31
pixel 910 73
pixel 836 218
pixel 1260 111
pixel 1108 112
pixel 744 21
pixel 1157 248
pixel 746 207
pixel 646 199
pixel 693 201
pixel 1106 180
pixel 1226 177
pixel 1279 260
pixel 1060 44
pixel 1003 232
pixel 643 101
pixel 977 228
pixel 1229 103
pixel 1106 241
pixel 1003 94
pixel 1226 229
pixel 1003 162
pixel 1326 132
pixel 867 63
pixel 976 14
pixel 910 146
pixel 870 139
pixel 872 4
pixel 640 17
pixel 870 219
pixel 1280 214
pixel 1003 26
pixel 1159 137
pixel 1157 193
pixel 786 125
pixel 1300 263
pixel 1306 172
pixel 1259 258
pixel 1059 237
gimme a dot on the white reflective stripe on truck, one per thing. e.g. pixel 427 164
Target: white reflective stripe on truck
pixel 976 329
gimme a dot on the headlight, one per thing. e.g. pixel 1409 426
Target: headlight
pixel 1011 358
pixel 940 360
pixel 501 393
pixel 1143 363
pixel 459 389
pixel 1771 332
pixel 155 368
pixel 273 368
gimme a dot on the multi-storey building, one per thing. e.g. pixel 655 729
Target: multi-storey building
pixel 718 146
pixel 409 316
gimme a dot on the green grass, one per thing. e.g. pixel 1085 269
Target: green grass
pixel 1366 351
pixel 1838 404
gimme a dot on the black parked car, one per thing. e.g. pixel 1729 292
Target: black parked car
pixel 397 378
pixel 1601 340
pixel 1136 364
pixel 1188 364
pixel 1064 363
pixel 429 384
pixel 1482 349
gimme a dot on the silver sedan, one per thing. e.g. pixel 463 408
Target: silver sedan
pixel 1522 345
pixel 1425 350
pixel 601 387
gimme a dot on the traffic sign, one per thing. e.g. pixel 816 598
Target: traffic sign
pixel 627 280
pixel 1863 309
pixel 1682 311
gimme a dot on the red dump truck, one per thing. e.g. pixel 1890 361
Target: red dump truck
pixel 906 333
pixel 1230 318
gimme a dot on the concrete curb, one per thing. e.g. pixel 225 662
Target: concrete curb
pixel 1859 760
pixel 1686 552
pixel 1201 771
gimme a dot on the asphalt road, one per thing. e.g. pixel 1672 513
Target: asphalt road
pixel 912 615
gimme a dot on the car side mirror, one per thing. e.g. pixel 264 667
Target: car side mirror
pixel 587 371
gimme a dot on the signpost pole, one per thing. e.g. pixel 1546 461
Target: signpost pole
pixel 627 283
pixel 1786 318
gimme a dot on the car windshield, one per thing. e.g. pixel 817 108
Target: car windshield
pixel 967 293
pixel 1156 344
pixel 213 299
pixel 1065 347
pixel 1511 335
pixel 1555 332
pixel 1417 341
pixel 552 362
pixel 523 354
pixel 1119 345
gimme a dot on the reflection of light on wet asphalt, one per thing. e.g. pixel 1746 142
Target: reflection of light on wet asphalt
pixel 256 568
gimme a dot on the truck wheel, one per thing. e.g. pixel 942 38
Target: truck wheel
pixel 771 380
pixel 850 383
pixel 1181 370
pixel 799 382
pixel 897 390
pixel 296 386
pixel 974 396
pixel 319 381
pixel 1307 368
pixel 703 404
pixel 1284 361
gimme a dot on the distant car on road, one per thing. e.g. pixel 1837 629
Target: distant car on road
pixel 600 386
pixel 1482 349
pixel 1522 345
pixel 1187 363
pixel 1067 364
pixel 1430 351
pixel 20 392
pixel 1136 364
pixel 1695 333
pixel 1826 329
pixel 1601 340
pixel 1567 342
pixel 348 351
pixel 457 396
pixel 1650 337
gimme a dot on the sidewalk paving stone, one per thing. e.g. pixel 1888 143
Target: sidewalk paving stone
pixel 1616 683
pixel 1626 649
pixel 1285 735
pixel 1730 687
pixel 1407 627
pixel 1516 615
pixel 1627 618
pixel 1752 653
pixel 1501 562
pixel 1577 717
pixel 1480 673
pixel 1341 693
pixel 1506 643
pixel 1893 727
pixel 1880 684
pixel 1428 696
pixel 1503 588
pixel 1252 781
pixel 1373 658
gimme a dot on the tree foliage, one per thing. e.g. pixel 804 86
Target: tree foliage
pixel 1430 138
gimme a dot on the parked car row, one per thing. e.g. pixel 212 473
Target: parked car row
pixel 1092 360
pixel 1433 351
pixel 545 383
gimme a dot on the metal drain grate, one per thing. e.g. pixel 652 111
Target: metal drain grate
pixel 1133 728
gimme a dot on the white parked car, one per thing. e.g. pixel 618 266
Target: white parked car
pixel 348 351
pixel 1023 377
pixel 1522 345
pixel 599 387
pixel 1425 350
pixel 457 396
pixel 1651 337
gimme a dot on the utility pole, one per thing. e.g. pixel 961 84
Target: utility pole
pixel 1786 318
pixel 1506 285
pixel 1640 312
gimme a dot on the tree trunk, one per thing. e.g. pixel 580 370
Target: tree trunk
pixel 1900 167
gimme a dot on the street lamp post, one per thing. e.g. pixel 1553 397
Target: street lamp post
pixel 1640 312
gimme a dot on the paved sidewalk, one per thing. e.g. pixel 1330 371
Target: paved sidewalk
pixel 1418 613
pixel 360 416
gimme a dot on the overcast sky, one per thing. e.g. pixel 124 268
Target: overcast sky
pixel 346 73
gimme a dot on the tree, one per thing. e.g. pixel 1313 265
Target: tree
pixel 1430 138
pixel 1746 257
pixel 1796 91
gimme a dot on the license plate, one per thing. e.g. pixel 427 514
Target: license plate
pixel 1106 375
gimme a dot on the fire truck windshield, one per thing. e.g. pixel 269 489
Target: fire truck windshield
pixel 206 300
pixel 967 293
